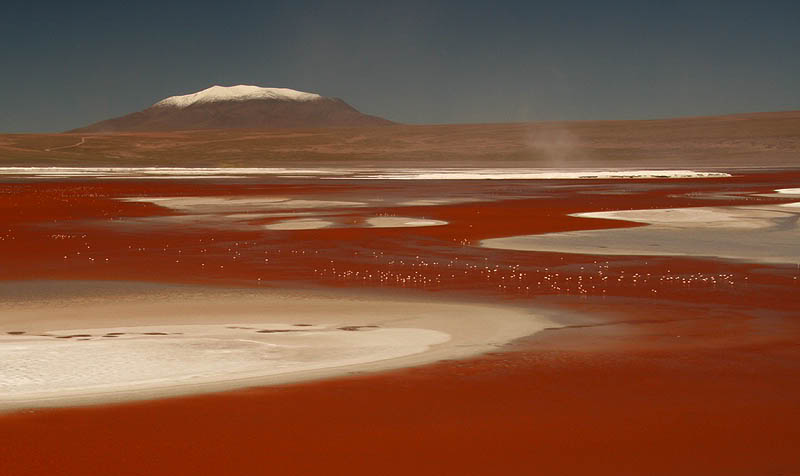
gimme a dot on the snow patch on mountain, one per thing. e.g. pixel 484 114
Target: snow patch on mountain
pixel 236 93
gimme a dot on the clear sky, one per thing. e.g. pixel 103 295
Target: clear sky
pixel 66 64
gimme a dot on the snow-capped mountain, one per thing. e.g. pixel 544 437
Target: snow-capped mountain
pixel 239 107
pixel 236 93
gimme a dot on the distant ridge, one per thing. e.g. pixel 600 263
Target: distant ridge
pixel 239 107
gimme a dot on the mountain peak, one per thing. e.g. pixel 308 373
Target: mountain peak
pixel 239 107
pixel 239 92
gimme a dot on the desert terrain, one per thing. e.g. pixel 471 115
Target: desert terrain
pixel 748 140
pixel 621 298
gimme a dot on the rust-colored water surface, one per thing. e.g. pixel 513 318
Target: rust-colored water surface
pixel 667 365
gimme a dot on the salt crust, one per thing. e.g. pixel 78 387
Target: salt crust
pixel 359 173
pixel 174 340
pixel 119 358
pixel 214 211
pixel 216 204
pixel 402 222
pixel 763 233
pixel 373 222
pixel 535 174
pixel 299 224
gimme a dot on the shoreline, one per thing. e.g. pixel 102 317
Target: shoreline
pixel 753 233
pixel 471 329
pixel 663 356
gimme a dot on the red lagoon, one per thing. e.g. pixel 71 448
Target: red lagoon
pixel 665 365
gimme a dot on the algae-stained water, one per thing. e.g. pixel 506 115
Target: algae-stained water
pixel 662 355
pixel 327 230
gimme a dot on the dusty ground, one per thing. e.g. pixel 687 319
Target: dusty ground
pixel 668 365
pixel 763 139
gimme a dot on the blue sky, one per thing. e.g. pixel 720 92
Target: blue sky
pixel 67 64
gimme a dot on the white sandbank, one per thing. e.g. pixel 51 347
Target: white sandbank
pixel 234 204
pixel 134 341
pixel 764 233
pixel 535 174
pixel 425 202
pixel 696 217
pixel 299 224
pixel 118 358
pixel 402 222
pixel 237 211
pixel 146 172
pixel 372 222
pixel 360 173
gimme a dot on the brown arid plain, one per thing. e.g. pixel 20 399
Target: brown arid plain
pixel 653 365
pixel 770 139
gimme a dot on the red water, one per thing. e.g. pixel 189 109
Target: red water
pixel 683 366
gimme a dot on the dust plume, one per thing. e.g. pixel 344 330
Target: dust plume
pixel 553 145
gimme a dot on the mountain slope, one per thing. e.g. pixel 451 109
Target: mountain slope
pixel 239 107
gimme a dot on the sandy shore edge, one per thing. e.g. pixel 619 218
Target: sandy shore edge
pixel 757 233
pixel 46 306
